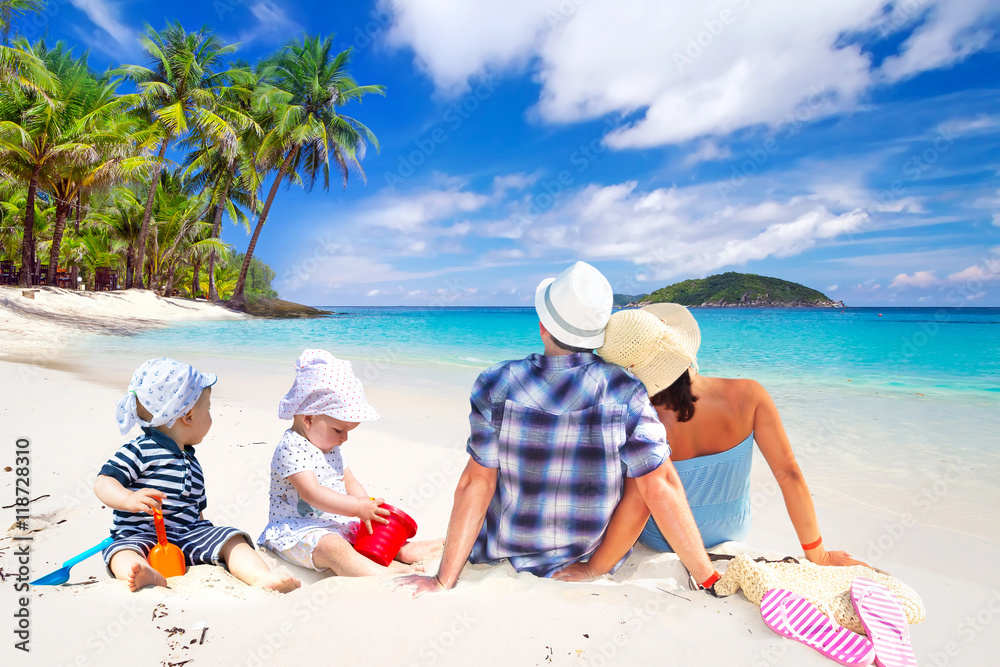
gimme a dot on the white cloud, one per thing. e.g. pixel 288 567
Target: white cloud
pixel 996 219
pixel 105 15
pixel 708 151
pixel 868 286
pixel 672 231
pixel 273 24
pixel 687 69
pixel 518 181
pixel 412 213
pixel 961 126
pixel 951 32
pixel 975 273
pixel 832 288
pixel 923 279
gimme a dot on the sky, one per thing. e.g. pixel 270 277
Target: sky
pixel 849 145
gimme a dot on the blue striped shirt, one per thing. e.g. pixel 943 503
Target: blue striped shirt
pixel 563 432
pixel 154 461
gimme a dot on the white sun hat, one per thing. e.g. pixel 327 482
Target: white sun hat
pixel 575 306
pixel 657 344
pixel 167 388
pixel 325 385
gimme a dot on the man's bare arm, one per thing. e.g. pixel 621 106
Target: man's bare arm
pixel 472 498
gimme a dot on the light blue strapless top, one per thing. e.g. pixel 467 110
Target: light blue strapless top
pixel 718 490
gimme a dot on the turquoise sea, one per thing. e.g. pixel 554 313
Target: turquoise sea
pixel 912 350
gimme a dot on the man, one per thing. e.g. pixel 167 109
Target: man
pixel 559 440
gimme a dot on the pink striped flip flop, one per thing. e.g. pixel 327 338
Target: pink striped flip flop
pixel 885 622
pixel 792 616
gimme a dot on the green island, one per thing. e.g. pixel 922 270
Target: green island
pixel 734 290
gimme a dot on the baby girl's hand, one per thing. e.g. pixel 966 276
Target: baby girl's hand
pixel 144 500
pixel 369 510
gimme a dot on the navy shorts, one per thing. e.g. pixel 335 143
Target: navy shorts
pixel 200 542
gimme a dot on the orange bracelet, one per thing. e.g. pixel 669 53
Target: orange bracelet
pixel 812 545
pixel 711 580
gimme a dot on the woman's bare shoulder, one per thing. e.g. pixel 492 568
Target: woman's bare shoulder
pixel 741 387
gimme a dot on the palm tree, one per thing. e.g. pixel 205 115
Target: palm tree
pixel 230 174
pixel 306 86
pixel 91 114
pixel 179 90
pixel 31 138
pixel 11 8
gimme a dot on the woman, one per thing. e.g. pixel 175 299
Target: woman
pixel 711 425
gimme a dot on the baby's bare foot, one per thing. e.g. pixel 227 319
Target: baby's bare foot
pixel 141 575
pixel 416 552
pixel 278 581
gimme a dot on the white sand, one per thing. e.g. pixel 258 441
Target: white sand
pixel 413 456
pixel 38 329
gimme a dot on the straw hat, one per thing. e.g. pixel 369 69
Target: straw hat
pixel 575 305
pixel 657 344
pixel 828 587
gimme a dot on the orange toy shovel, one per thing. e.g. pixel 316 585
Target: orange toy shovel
pixel 165 558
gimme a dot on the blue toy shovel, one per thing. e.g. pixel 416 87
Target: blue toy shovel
pixel 61 576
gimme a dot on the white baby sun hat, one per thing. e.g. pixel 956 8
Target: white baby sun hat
pixel 167 388
pixel 325 385
pixel 575 306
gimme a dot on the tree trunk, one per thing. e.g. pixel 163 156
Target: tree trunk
pixel 195 279
pixel 129 261
pixel 238 299
pixel 28 238
pixel 144 229
pixel 63 209
pixel 169 288
pixel 79 210
pixel 213 294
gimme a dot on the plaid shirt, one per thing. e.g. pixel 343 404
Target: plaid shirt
pixel 563 432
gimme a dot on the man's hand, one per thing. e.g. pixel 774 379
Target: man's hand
pixel 841 558
pixel 144 500
pixel 575 572
pixel 421 584
pixel 369 510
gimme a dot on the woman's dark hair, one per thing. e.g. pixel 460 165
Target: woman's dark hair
pixel 678 397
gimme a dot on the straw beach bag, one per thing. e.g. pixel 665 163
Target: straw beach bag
pixel 828 587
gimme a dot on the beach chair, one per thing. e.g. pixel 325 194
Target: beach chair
pixel 62 278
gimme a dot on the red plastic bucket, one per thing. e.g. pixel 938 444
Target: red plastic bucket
pixel 388 538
